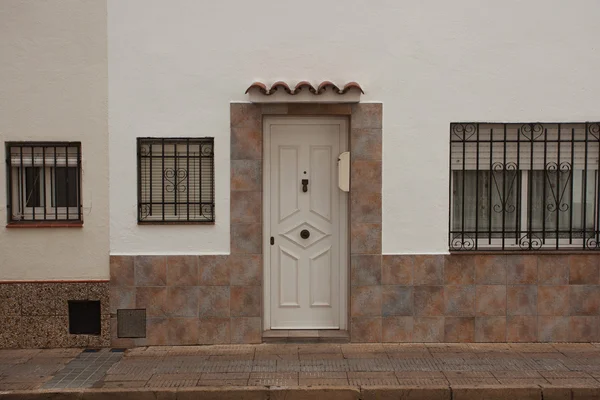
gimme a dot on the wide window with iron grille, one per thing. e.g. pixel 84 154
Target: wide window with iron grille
pixel 524 186
pixel 44 182
pixel 176 180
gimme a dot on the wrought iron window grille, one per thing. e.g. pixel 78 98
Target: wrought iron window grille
pixel 176 180
pixel 43 182
pixel 531 186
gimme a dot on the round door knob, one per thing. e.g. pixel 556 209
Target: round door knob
pixel 304 234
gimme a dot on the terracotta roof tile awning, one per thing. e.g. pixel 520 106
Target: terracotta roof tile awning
pixel 264 89
pixel 304 91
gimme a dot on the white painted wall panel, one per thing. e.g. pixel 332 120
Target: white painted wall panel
pixel 175 66
pixel 53 87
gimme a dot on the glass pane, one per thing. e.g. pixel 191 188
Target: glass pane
pixel 33 183
pixel 485 201
pixel 558 199
pixel 65 187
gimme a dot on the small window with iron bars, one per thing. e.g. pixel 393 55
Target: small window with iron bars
pixel 531 186
pixel 176 180
pixel 44 182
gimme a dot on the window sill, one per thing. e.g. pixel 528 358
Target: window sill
pixel 19 225
pixel 176 222
pixel 522 252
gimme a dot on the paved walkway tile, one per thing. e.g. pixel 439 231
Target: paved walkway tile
pixel 548 366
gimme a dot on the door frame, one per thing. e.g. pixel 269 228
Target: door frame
pixel 344 140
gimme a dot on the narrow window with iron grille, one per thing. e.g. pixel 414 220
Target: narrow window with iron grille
pixel 524 186
pixel 44 182
pixel 176 180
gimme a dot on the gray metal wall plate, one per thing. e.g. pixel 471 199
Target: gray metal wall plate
pixel 131 323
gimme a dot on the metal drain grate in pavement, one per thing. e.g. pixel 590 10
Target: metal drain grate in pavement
pixel 85 370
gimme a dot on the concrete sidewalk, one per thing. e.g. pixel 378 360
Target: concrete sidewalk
pixel 353 371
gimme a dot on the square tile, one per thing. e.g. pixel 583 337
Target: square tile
pixel 213 301
pixel 245 114
pixel 521 270
pixel 121 270
pixel 584 329
pixel 38 299
pixel 366 143
pixel 553 300
pixel 246 207
pixel 213 330
pixel 397 300
pixel 213 271
pixel 397 329
pixel 10 295
pixel 521 300
pixel 246 142
pixel 245 270
pixel 246 330
pixel 11 334
pixel 365 329
pixel 182 301
pixel 365 239
pixel 365 207
pixel 459 300
pixel 584 299
pixel 365 270
pixel 182 270
pixel 365 176
pixel 553 270
pixel 367 115
pixel 183 331
pixel 246 238
pixel 429 300
pixel 428 329
pixel 490 329
pixel 153 299
pixel 121 297
pixel 583 270
pixel 245 301
pixel 490 300
pixel 397 269
pixel 365 301
pixel 150 270
pixel 429 270
pixel 459 270
pixel 490 270
pixel 459 329
pixel 553 329
pixel 246 175
pixel 521 329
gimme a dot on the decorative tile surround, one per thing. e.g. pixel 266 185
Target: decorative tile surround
pixel 35 314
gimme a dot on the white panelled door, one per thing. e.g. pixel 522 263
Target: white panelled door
pixel 307 221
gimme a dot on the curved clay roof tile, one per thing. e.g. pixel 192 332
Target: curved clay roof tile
pixel 351 85
pixel 302 84
pixel 282 84
pixel 261 86
pixel 325 84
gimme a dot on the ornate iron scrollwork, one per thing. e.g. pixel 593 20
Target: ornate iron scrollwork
pixel 557 197
pixel 174 179
pixel 530 241
pixel 461 242
pixel 464 131
pixel 532 131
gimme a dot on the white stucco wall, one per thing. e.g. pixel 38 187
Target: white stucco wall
pixel 175 66
pixel 53 87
